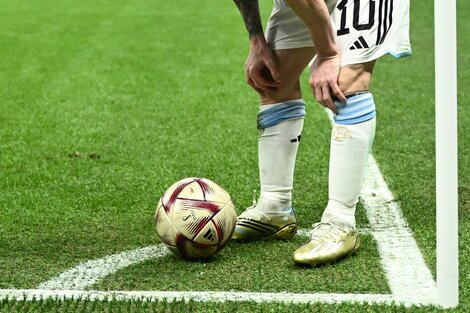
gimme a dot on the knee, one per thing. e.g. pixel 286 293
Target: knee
pixel 287 90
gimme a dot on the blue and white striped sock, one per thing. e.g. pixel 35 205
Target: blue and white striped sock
pixel 359 108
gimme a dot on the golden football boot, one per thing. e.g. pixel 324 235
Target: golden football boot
pixel 327 244
pixel 256 225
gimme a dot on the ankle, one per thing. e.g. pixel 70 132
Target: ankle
pixel 342 217
pixel 270 206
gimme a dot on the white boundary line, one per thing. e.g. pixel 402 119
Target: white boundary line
pixel 199 296
pixel 407 273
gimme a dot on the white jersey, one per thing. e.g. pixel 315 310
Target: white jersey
pixel 366 30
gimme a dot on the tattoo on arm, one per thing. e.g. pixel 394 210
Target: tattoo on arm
pixel 249 10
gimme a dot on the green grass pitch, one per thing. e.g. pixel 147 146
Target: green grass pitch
pixel 105 104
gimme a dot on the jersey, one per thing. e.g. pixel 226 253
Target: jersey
pixel 365 29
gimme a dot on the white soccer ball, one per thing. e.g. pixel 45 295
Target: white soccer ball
pixel 195 218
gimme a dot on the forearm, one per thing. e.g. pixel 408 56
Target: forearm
pixel 249 9
pixel 315 15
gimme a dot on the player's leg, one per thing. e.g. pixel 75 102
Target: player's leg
pixel 351 139
pixel 280 122
pixel 385 31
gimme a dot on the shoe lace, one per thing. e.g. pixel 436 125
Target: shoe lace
pixel 325 230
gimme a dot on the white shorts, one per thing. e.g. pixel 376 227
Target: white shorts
pixel 365 30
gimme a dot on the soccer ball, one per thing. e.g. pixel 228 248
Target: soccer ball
pixel 195 218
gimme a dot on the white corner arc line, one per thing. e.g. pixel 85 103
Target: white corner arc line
pixel 407 273
pixel 88 273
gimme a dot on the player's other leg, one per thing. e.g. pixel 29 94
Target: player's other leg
pixel 352 135
pixel 280 122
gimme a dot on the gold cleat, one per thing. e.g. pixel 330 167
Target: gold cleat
pixel 328 243
pixel 256 225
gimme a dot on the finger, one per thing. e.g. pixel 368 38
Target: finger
pixel 250 82
pixel 338 93
pixel 256 83
pixel 327 98
pixel 314 89
pixel 272 67
pixel 261 81
pixel 266 74
pixel 318 95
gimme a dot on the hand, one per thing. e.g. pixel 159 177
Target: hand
pixel 324 74
pixel 260 68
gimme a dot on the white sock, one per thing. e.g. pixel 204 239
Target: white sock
pixel 277 150
pixel 349 152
